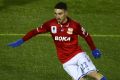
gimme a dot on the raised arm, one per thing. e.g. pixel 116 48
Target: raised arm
pixel 30 34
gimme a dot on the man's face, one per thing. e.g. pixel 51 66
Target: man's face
pixel 60 15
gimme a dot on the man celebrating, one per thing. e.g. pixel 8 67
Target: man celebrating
pixel 65 33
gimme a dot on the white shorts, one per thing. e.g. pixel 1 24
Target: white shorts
pixel 79 66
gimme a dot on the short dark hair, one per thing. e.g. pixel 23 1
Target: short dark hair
pixel 61 5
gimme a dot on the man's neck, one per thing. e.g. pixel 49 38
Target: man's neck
pixel 65 20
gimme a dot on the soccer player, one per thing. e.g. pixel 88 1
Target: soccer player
pixel 65 33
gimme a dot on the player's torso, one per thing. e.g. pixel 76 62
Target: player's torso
pixel 65 38
pixel 64 33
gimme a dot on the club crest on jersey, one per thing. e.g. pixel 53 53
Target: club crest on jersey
pixel 54 29
pixel 70 31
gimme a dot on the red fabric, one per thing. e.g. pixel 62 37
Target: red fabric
pixel 83 33
pixel 30 34
pixel 65 37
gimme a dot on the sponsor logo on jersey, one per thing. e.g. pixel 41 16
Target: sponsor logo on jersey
pixel 70 31
pixel 54 29
pixel 62 38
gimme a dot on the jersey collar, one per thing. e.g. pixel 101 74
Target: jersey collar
pixel 68 20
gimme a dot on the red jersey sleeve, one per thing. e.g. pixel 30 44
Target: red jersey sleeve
pixel 42 29
pixel 83 33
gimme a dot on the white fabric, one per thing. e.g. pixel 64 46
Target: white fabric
pixel 79 66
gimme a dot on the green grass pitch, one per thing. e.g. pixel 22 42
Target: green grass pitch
pixel 36 59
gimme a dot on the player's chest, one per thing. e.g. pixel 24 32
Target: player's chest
pixel 63 30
